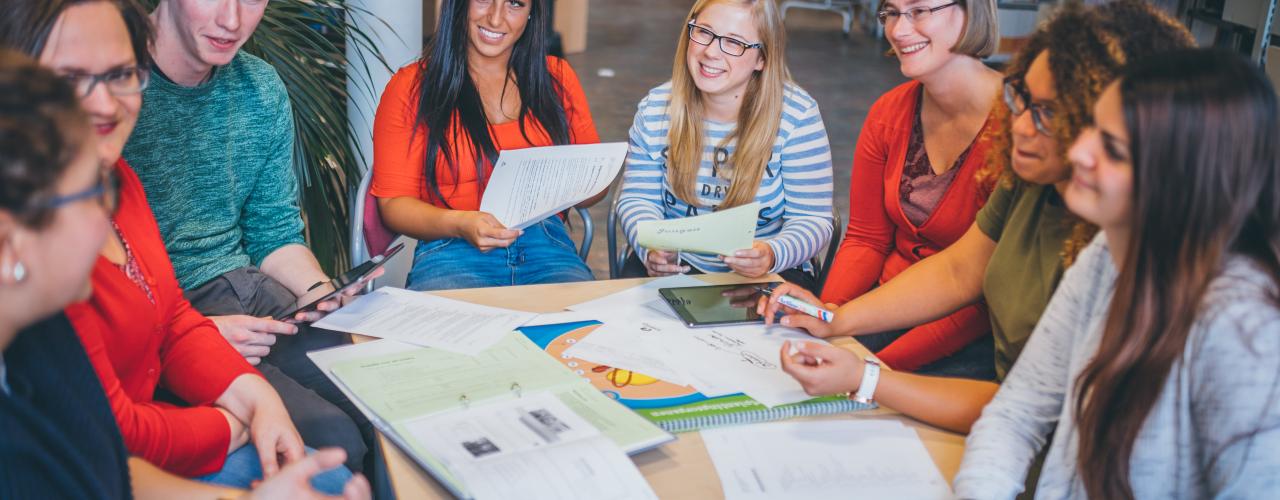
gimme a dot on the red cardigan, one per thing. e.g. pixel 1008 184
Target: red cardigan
pixel 880 242
pixel 136 346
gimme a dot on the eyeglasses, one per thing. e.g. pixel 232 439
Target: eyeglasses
pixel 728 45
pixel 119 82
pixel 106 190
pixel 1018 100
pixel 915 14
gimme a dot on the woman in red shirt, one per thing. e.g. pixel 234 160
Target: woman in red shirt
pixel 913 190
pixel 138 330
pixel 483 86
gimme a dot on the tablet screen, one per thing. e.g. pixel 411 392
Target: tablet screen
pixel 715 304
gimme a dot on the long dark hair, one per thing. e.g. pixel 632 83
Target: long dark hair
pixel 26 24
pixel 1205 146
pixel 450 107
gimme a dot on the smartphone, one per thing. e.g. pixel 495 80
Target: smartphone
pixel 357 275
pixel 716 305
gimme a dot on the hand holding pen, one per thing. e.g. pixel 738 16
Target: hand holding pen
pixel 801 308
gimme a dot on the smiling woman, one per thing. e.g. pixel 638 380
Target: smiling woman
pixel 729 129
pixel 485 84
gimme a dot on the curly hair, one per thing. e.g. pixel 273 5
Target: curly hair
pixel 1087 49
pixel 42 129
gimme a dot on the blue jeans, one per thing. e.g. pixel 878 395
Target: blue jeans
pixel 242 468
pixel 543 254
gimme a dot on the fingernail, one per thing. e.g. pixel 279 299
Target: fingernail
pixel 786 321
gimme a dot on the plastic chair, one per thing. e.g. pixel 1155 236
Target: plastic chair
pixel 369 236
pixel 618 252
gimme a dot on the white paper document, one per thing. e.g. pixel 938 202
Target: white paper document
pixel 426 320
pixel 746 358
pixel 633 346
pixel 824 459
pixel 533 447
pixel 529 185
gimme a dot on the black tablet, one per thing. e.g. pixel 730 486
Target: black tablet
pixel 715 305
pixel 357 275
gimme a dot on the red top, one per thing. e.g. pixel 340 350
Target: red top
pixel 136 345
pixel 400 146
pixel 880 242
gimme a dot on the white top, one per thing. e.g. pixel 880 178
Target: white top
pixel 1214 431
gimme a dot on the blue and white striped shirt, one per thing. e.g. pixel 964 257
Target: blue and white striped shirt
pixel 794 194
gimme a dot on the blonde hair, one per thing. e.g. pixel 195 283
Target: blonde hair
pixel 758 118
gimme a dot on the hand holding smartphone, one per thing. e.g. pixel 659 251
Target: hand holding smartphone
pixel 355 277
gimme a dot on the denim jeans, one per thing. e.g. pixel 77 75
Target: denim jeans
pixel 543 254
pixel 242 468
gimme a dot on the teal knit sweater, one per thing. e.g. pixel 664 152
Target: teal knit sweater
pixel 216 161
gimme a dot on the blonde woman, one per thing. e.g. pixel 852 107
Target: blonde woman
pixel 730 128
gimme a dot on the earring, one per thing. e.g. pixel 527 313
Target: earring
pixel 19 272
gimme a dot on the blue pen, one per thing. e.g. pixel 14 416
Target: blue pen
pixel 802 306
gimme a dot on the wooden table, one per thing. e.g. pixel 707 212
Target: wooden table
pixel 680 469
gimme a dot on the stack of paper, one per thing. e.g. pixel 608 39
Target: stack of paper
pixel 827 459
pixel 641 335
pixel 426 320
pixel 529 185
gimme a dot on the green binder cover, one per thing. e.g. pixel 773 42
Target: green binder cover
pixel 674 408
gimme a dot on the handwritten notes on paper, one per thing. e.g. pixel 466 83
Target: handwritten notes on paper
pixel 721 232
pixel 827 459
pixel 529 185
pixel 426 320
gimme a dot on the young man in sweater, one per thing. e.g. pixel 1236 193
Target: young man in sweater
pixel 214 149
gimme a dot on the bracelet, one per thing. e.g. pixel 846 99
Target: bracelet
pixel 870 376
pixel 316 285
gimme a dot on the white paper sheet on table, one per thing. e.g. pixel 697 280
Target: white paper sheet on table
pixel 824 459
pixel 426 320
pixel 635 346
pixel 529 185
pixel 531 447
pixel 746 358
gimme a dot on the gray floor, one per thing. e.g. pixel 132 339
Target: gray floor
pixel 637 39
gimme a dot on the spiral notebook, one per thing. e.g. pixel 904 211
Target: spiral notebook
pixel 674 408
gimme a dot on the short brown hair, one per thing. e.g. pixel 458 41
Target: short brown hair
pixel 981 33
pixel 41 131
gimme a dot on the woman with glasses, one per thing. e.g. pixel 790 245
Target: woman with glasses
pixel 484 85
pixel 58 436
pixel 222 420
pixel 1155 370
pixel 1022 239
pixel 914 189
pixel 730 128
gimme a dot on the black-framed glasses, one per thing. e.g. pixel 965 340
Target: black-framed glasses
pixel 124 81
pixel 729 45
pixel 1018 100
pixel 915 14
pixel 106 191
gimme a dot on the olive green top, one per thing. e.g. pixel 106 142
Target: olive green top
pixel 1029 224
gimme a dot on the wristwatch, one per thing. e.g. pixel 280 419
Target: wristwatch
pixel 870 376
